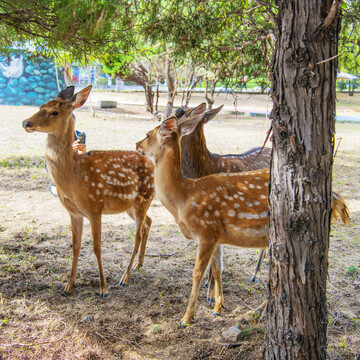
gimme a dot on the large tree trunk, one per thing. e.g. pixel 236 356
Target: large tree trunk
pixel 303 123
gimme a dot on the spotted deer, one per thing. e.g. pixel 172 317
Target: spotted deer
pixel 216 209
pixel 225 208
pixel 95 183
pixel 198 161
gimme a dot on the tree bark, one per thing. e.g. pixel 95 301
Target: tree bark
pixel 209 96
pixel 171 80
pixel 303 123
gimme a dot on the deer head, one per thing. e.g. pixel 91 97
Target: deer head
pixel 52 115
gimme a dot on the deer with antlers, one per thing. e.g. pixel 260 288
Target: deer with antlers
pixel 225 208
pixel 94 183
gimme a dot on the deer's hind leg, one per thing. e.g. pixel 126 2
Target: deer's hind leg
pixel 142 223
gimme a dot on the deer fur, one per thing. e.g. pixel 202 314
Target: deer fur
pixel 215 209
pixel 95 183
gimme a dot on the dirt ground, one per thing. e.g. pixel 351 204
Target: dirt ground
pixel 141 320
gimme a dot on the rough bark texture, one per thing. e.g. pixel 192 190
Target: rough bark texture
pixel 303 123
pixel 171 80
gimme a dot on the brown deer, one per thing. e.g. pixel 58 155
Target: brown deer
pixel 226 208
pixel 198 161
pixel 215 209
pixel 95 183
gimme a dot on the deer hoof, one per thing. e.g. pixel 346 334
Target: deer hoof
pixel 253 280
pixel 184 324
pixel 214 313
pixel 210 300
pixel 122 284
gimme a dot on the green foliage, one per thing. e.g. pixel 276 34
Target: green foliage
pixel 349 42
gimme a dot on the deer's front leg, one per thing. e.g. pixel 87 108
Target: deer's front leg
pixel 205 252
pixel 77 223
pixel 96 233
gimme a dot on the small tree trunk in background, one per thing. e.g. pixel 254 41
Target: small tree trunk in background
pixel 303 123
pixel 195 80
pixel 171 80
pixel 149 97
pixel 209 96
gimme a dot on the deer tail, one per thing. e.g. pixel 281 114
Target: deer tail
pixel 339 208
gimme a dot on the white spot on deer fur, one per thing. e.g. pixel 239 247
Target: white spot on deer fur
pixel 236 205
pixel 256 203
pixel 92 184
pixel 263 196
pixel 111 172
pixel 212 195
pixel 259 187
pixel 217 199
pixel 202 222
pixel 206 214
pixel 246 182
pixel 85 178
pixel 91 168
pixel 231 213
pixel 100 185
pixel 236 196
pixel 91 196
pixel 97 192
pixel 244 188
pixel 217 213
pixel 249 204
pixel 203 192
pixel 242 198
pixel 97 170
pixel 193 203
pixel 252 186
pixel 223 203
pixel 210 207
pixel 222 164
pixel 263 215
pixel 266 184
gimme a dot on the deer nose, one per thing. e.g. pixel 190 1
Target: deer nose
pixel 26 124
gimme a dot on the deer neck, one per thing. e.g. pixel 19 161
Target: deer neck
pixel 170 186
pixel 195 157
pixel 60 156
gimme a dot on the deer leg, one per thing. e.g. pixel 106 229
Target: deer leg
pixel 96 233
pixel 217 257
pixel 216 266
pixel 258 266
pixel 144 237
pixel 205 252
pixel 77 223
pixel 139 220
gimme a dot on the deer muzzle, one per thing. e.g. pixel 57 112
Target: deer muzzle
pixel 28 126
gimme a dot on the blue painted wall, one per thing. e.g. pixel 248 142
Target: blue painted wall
pixel 25 82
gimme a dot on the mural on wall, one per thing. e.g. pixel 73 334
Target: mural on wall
pixel 25 82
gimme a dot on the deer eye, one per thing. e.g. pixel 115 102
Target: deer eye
pixel 147 136
pixel 55 113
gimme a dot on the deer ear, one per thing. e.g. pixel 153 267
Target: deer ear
pixel 197 110
pixel 66 93
pixel 188 126
pixel 193 118
pixel 80 98
pixel 210 114
pixel 168 126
